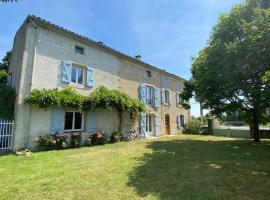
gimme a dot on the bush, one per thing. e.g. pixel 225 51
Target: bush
pixel 51 142
pixel 193 127
pixel 115 137
pixel 98 139
pixel 75 140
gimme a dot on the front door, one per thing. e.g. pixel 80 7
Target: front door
pixel 167 124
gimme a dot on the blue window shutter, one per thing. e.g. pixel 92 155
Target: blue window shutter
pixel 170 96
pixel 91 122
pixel 66 71
pixel 163 96
pixel 143 93
pixel 178 122
pixel 90 77
pixel 57 120
pixel 143 124
pixel 157 125
pixel 156 92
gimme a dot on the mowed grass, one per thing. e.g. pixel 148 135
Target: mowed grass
pixel 177 167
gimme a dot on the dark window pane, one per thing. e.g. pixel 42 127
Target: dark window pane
pixel 78 121
pixel 68 120
pixel 149 95
pixel 148 74
pixel 80 75
pixel 182 120
pixel 166 96
pixel 79 50
pixel 74 75
pixel 150 123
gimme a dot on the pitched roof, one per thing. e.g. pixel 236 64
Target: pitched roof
pixel 42 22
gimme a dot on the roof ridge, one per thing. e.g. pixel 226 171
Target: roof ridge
pixel 39 19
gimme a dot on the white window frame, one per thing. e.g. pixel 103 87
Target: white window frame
pixel 75 66
pixel 73 121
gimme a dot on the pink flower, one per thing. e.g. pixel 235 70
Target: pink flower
pixel 54 142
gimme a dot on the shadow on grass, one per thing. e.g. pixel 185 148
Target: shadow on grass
pixel 189 169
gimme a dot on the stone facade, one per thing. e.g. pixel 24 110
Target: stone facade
pixel 39 50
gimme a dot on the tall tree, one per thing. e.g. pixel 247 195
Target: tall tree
pixel 7 96
pixel 4 68
pixel 232 72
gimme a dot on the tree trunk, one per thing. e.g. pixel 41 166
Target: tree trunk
pixel 201 113
pixel 255 127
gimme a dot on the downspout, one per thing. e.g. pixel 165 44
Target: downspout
pixel 31 77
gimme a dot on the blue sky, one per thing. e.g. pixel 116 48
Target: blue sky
pixel 165 32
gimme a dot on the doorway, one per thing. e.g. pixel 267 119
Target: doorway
pixel 167 124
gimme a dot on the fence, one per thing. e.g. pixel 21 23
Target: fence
pixel 239 130
pixel 6 135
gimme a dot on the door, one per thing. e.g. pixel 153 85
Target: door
pixel 167 124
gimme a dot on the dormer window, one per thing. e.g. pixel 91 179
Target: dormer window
pixel 79 50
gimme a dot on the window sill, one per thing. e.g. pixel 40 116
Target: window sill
pixel 77 85
pixel 75 130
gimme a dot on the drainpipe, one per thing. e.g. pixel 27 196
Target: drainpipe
pixel 31 78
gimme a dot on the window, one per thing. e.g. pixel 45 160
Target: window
pixel 165 81
pixel 149 95
pixel 131 116
pixel 77 74
pixel 148 74
pixel 178 98
pixel 167 97
pixel 179 85
pixel 182 120
pixel 73 121
pixel 149 123
pixel 79 50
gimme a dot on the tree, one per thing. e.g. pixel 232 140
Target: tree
pixel 4 65
pixel 232 72
pixel 7 97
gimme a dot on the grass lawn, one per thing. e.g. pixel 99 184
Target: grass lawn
pixel 177 167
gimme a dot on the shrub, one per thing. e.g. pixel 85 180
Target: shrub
pixel 50 142
pixel 75 139
pixel 98 139
pixel 115 137
pixel 193 127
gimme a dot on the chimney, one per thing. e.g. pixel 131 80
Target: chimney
pixel 138 57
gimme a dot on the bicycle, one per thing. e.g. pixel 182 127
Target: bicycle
pixel 133 135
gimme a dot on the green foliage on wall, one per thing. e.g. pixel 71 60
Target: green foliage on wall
pixel 66 98
pixel 101 98
pixel 105 98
